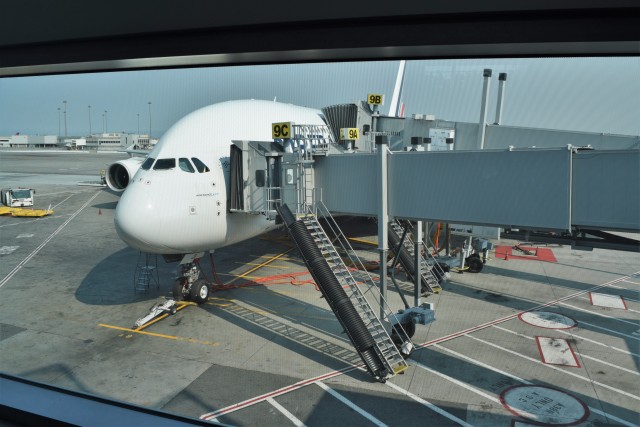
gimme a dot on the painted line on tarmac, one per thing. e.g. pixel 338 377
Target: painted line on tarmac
pixel 68 197
pixel 270 260
pixel 582 355
pixel 610 330
pixel 285 412
pixel 631 281
pixel 284 390
pixel 596 313
pixel 260 265
pixel 531 359
pixel 47 240
pixel 350 404
pixel 429 405
pixel 153 334
pixel 521 380
pixel 573 334
pixel 513 316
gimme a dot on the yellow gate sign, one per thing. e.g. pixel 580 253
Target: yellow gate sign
pixel 375 99
pixel 281 130
pixel 349 134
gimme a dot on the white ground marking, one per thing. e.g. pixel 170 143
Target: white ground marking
pixel 429 405
pixel 547 319
pixel 557 351
pixel 589 380
pixel 6 250
pixel 42 245
pixel 631 281
pixel 285 412
pixel 599 314
pixel 604 300
pixel 351 405
pixel 599 343
pixel 24 236
pixel 544 405
pixel 582 355
pixel 522 380
pixel 582 322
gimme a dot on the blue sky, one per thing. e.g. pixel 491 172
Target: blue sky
pixel 584 94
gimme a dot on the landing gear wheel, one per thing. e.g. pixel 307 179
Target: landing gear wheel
pixel 475 264
pixel 199 291
pixel 180 292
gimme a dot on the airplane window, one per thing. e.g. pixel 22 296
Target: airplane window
pixel 164 164
pixel 146 165
pixel 199 165
pixel 185 165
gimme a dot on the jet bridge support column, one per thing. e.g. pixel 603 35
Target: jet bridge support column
pixel 417 277
pixel 382 142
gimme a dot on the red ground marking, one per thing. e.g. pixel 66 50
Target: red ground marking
pixel 541 254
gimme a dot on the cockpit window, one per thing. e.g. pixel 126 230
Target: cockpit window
pixel 164 164
pixel 199 165
pixel 146 165
pixel 185 165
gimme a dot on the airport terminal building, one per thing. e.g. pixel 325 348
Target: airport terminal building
pixel 98 142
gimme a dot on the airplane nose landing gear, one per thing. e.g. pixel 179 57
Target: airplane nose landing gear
pixel 189 285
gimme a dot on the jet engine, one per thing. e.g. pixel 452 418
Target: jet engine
pixel 121 172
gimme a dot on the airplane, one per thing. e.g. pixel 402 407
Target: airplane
pixel 176 202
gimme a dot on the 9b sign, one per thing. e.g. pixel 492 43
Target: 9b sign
pixel 281 130
pixel 375 99
pixel 349 134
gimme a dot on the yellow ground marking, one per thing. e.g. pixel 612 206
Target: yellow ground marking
pixel 260 265
pixel 284 258
pixel 152 334
pixel 270 260
pixel 366 242
pixel 235 275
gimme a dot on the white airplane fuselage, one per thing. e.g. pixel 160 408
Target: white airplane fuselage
pixel 176 202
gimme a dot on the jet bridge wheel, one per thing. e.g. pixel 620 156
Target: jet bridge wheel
pixel 199 291
pixel 180 291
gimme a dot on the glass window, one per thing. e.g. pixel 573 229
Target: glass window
pixel 164 164
pixel 146 165
pixel 199 165
pixel 185 165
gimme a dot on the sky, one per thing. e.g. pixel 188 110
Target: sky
pixel 579 94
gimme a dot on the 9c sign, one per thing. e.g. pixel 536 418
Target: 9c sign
pixel 281 130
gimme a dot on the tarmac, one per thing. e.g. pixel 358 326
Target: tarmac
pixel 524 342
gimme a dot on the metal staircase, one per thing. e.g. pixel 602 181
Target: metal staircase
pixel 386 352
pixel 432 275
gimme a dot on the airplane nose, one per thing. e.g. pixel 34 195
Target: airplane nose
pixel 134 221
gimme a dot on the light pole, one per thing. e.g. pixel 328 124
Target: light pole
pixel 149 121
pixel 106 122
pixel 89 120
pixel 138 123
pixel 58 122
pixel 65 118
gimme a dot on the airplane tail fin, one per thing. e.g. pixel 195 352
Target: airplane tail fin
pixel 396 108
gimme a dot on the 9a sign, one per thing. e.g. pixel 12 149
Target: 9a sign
pixel 349 134
pixel 281 130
